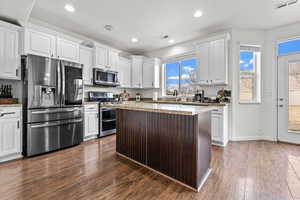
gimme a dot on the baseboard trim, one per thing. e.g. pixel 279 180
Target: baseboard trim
pixel 251 138
pixel 11 157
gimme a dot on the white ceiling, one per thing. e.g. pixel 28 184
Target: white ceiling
pixel 15 10
pixel 149 20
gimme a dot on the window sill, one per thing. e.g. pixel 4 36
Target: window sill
pixel 249 102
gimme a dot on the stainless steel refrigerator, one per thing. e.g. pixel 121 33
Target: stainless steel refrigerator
pixel 52 104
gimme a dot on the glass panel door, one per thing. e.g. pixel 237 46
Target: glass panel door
pixel 289 98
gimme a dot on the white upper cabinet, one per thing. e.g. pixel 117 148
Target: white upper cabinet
pixel 151 73
pixel 212 59
pixel 136 71
pixel 9 52
pixel 113 59
pixel 106 57
pixel 86 58
pixel 67 50
pixel 218 62
pixel 39 43
pixel 101 56
pixel 124 72
pixel 203 63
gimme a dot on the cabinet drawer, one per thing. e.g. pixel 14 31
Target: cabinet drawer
pixel 91 108
pixel 6 113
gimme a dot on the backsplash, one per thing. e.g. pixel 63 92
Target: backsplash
pixel 132 92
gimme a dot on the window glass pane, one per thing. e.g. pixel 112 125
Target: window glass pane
pixel 294 97
pixel 188 68
pixel 247 76
pixel 172 77
pixel 292 46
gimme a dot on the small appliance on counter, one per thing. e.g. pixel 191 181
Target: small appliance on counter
pixel 155 96
pixel 138 97
pixel 199 96
pixel 124 96
pixel 107 119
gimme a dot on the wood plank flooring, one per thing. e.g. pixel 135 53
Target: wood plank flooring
pixel 242 171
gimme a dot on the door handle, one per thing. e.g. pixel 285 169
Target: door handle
pixel 280 106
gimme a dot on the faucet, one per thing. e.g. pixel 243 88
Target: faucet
pixel 175 93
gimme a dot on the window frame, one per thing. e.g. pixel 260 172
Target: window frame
pixel 179 58
pixel 257 72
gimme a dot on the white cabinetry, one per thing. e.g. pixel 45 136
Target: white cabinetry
pixel 39 43
pixel 106 57
pixel 136 71
pixel 67 50
pixel 86 58
pixel 151 73
pixel 91 121
pixel 101 56
pixel 212 58
pixel 219 126
pixel 9 52
pixel 113 59
pixel 124 72
pixel 10 133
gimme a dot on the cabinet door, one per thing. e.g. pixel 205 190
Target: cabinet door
pixel 125 73
pixel 216 127
pixel 10 136
pixel 203 52
pixel 91 124
pixel 113 60
pixel 39 43
pixel 68 50
pixel 136 72
pixel 217 60
pixel 9 55
pixel 101 58
pixel 148 74
pixel 86 58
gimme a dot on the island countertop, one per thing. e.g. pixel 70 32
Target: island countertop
pixel 162 108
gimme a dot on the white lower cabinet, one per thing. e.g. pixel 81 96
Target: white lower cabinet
pixel 219 126
pixel 91 121
pixel 10 133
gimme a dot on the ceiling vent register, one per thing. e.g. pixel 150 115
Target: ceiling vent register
pixel 282 4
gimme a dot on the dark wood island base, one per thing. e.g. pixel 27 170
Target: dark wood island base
pixel 177 146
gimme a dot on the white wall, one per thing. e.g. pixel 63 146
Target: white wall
pixel 246 118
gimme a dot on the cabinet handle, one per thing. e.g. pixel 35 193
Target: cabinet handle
pixel 17 72
pixel 18 124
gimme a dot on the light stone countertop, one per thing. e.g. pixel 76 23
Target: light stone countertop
pixel 162 108
pixel 11 105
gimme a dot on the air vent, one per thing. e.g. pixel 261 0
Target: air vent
pixel 284 3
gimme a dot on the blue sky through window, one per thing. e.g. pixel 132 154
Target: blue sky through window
pixel 292 46
pixel 246 60
pixel 173 71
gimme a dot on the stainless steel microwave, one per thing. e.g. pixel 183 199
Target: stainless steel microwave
pixel 105 77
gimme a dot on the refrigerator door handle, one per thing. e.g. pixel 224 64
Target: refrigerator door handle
pixel 59 82
pixel 63 84
pixel 49 124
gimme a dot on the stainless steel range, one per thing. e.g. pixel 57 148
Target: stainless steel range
pixel 52 98
pixel 107 119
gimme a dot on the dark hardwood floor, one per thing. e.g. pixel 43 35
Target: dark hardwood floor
pixel 244 170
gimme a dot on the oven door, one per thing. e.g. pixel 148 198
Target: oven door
pixel 108 121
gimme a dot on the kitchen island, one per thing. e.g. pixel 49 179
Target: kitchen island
pixel 173 140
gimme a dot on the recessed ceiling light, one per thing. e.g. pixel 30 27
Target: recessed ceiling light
pixel 198 13
pixel 69 7
pixel 171 41
pixel 134 40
